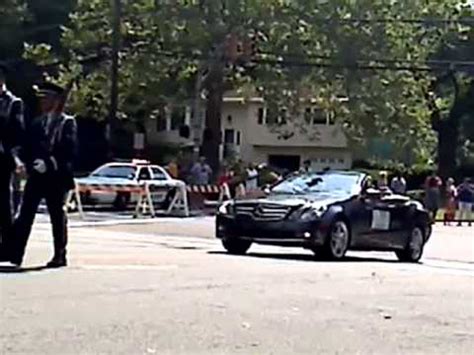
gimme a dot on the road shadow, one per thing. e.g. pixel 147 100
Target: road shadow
pixel 307 258
pixel 22 270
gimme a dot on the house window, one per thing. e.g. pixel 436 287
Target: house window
pixel 283 117
pixel 161 120
pixel 319 116
pixel 238 138
pixel 271 116
pixel 229 136
pixel 229 119
pixel 308 115
pixel 178 117
pixel 341 160
pixel 261 116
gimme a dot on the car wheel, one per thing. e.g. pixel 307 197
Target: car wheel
pixel 121 201
pixel 72 206
pixel 414 250
pixel 236 246
pixel 337 241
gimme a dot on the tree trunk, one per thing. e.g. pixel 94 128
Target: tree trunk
pixel 448 135
pixel 212 140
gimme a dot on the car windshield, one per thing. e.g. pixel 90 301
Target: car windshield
pixel 319 183
pixel 116 172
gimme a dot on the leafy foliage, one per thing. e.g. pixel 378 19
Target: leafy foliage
pixel 12 12
pixel 374 65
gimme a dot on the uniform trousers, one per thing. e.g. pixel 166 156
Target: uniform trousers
pixel 38 187
pixel 6 211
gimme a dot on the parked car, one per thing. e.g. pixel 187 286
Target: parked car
pixel 124 173
pixel 328 213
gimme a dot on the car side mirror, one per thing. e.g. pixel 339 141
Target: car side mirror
pixel 266 190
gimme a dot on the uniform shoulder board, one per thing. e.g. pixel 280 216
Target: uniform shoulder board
pixel 12 97
pixel 12 100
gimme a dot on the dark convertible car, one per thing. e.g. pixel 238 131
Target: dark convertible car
pixel 328 213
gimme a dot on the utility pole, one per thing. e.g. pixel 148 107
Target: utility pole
pixel 114 89
pixel 198 122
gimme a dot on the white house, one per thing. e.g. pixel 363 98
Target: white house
pixel 248 134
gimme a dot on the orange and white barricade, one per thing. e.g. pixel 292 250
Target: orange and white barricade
pixel 144 191
pixel 208 195
pixel 75 200
pixel 178 203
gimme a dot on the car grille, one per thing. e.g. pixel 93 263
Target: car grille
pixel 264 212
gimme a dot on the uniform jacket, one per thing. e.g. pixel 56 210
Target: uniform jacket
pixel 11 129
pixel 56 144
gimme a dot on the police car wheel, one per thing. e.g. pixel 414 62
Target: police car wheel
pixel 236 246
pixel 414 249
pixel 72 206
pixel 121 201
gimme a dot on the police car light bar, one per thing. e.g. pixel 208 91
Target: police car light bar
pixel 140 162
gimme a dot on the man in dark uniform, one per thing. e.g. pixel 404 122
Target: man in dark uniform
pixel 49 152
pixel 11 135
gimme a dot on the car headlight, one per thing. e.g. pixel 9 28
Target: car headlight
pixel 307 214
pixel 226 208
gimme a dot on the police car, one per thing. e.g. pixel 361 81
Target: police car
pixel 328 213
pixel 121 174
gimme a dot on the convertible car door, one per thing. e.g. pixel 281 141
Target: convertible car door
pixel 360 213
pixel 387 219
pixel 400 223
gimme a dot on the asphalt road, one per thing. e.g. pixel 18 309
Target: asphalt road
pixel 166 287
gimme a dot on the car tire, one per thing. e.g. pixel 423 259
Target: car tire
pixel 72 206
pixel 337 241
pixel 121 201
pixel 236 246
pixel 414 249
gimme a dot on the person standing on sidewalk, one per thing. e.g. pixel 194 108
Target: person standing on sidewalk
pixel 251 181
pixel 173 168
pixel 433 184
pixel 201 172
pixel 466 201
pixel 451 195
pixel 11 135
pixel 49 153
pixel 398 184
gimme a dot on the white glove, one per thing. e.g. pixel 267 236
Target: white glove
pixel 39 166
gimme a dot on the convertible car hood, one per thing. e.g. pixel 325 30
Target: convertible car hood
pixel 314 200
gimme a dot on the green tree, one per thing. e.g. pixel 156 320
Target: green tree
pixel 379 55
pixel 12 14
pixel 451 102
pixel 369 62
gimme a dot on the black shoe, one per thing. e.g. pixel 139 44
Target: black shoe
pixel 16 262
pixel 8 259
pixel 57 263
pixel 4 257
